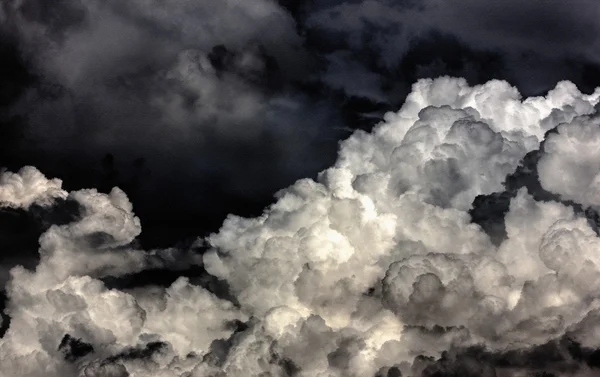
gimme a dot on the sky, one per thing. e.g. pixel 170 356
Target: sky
pixel 299 188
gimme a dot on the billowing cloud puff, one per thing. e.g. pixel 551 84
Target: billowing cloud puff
pixel 569 165
pixel 28 186
pixel 374 268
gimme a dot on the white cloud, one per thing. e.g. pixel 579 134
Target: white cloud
pixel 343 275
pixel 28 186
pixel 569 166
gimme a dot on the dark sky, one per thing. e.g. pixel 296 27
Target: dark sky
pixel 200 118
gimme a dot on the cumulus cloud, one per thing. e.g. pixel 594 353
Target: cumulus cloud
pixel 28 186
pixel 457 238
pixel 573 175
pixel 375 268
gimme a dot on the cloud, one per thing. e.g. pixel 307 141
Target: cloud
pixel 27 187
pixel 203 91
pixel 533 44
pixel 152 95
pixel 578 177
pixel 458 237
pixel 121 61
pixel 374 268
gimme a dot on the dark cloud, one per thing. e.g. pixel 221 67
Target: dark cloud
pixel 74 348
pixel 548 28
pixel 217 116
pixel 558 357
pixel 532 44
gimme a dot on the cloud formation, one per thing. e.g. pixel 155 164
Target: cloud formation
pixel 373 269
pixel 28 186
pixel 211 98
pixel 180 88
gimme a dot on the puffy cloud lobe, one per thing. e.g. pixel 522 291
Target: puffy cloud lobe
pixel 374 267
pixel 527 223
pixel 27 187
pixel 64 296
pixel 85 25
pixel 568 166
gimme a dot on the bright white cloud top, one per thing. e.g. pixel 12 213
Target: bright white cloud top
pixel 373 264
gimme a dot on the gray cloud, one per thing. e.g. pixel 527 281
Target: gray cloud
pixel 537 41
